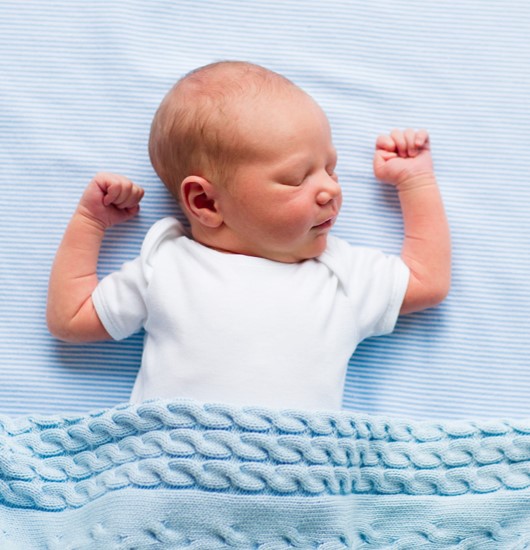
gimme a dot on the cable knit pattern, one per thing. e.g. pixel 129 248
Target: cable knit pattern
pixel 60 463
pixel 72 463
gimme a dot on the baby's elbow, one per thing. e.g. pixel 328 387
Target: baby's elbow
pixel 439 291
pixel 53 323
pixel 76 330
pixel 59 329
pixel 437 296
pixel 424 295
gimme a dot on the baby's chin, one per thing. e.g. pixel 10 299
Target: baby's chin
pixel 319 246
pixel 310 252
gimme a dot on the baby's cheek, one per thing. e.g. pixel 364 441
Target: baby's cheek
pixel 287 220
pixel 293 225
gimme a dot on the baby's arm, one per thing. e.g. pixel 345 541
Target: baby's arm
pixel 109 199
pixel 403 159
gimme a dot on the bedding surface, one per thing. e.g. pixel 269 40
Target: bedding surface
pixel 79 84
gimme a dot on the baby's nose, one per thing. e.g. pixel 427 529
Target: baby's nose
pixel 330 191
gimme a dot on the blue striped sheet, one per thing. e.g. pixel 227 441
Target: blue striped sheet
pixel 80 82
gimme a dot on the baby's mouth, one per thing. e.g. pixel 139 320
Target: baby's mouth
pixel 325 225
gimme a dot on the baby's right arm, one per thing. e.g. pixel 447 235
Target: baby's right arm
pixel 109 199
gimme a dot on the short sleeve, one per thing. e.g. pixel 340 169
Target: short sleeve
pixel 120 299
pixel 374 282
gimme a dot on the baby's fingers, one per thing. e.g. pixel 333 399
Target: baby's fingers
pixel 385 143
pixel 410 138
pixel 410 143
pixel 401 142
pixel 122 193
pixel 422 139
pixel 416 141
pixel 130 199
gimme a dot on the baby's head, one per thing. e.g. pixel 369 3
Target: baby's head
pixel 224 139
pixel 196 130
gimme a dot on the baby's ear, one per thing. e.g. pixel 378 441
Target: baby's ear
pixel 200 201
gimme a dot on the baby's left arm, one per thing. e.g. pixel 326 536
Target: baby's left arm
pixel 404 160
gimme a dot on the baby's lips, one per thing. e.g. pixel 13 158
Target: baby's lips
pixel 326 223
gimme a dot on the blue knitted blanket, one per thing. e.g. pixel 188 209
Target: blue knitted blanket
pixel 262 479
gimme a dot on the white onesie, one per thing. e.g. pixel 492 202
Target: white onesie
pixel 245 330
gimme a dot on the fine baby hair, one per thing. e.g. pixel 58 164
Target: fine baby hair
pixel 195 129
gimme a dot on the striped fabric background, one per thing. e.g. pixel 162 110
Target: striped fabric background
pixel 79 83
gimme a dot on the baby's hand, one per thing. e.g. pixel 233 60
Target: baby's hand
pixel 110 199
pixel 402 156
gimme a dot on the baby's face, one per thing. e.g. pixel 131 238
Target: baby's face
pixel 282 204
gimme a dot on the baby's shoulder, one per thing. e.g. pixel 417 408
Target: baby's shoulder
pixel 349 262
pixel 164 230
pixel 341 250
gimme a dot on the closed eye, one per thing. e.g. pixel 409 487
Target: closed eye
pixel 330 169
pixel 294 180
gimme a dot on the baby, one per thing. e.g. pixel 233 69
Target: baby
pixel 259 304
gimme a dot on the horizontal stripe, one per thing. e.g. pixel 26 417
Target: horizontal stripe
pixel 79 85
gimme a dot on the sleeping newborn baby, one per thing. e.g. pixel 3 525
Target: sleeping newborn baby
pixel 258 304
